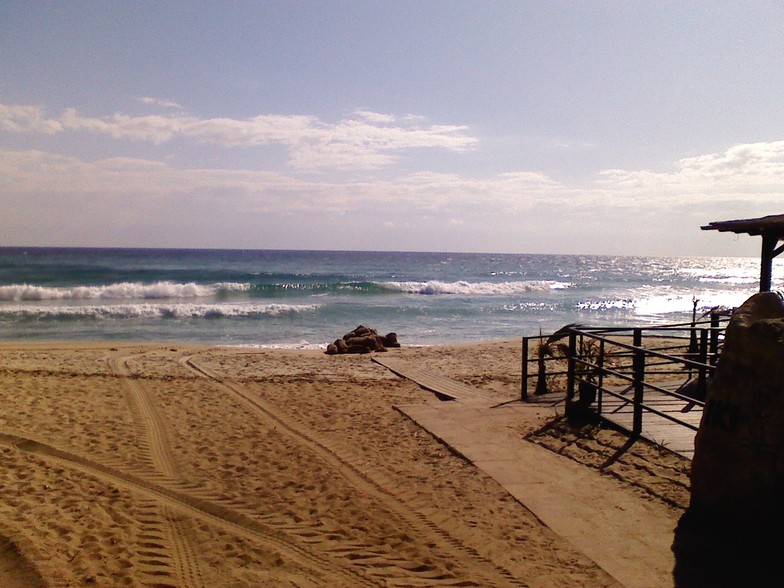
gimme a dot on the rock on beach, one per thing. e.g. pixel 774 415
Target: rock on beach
pixel 362 340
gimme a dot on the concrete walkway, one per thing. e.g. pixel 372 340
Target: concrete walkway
pixel 627 537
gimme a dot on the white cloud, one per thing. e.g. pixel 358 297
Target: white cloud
pixel 375 117
pixel 20 118
pixel 130 183
pixel 160 102
pixel 751 171
pixel 154 129
pixel 121 174
pixel 695 181
pixel 618 207
pixel 366 141
pixel 337 155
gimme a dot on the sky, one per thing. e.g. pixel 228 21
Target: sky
pixel 578 127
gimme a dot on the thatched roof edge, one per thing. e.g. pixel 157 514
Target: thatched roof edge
pixel 772 224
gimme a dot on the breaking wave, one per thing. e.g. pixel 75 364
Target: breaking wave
pixel 153 311
pixel 660 304
pixel 120 291
pixel 433 287
pixel 723 275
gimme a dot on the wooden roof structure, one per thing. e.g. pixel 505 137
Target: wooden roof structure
pixel 771 228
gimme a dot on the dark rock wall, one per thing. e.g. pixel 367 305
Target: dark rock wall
pixel 738 466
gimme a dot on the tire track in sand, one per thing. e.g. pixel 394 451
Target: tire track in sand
pixel 486 573
pixel 157 551
pixel 154 443
pixel 168 549
pixel 152 438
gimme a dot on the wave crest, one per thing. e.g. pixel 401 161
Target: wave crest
pixel 433 287
pixel 119 291
pixel 723 275
pixel 663 303
pixel 136 311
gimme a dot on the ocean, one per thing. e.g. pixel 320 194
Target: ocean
pixel 306 299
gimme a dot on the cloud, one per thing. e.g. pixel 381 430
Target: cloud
pixel 38 172
pixel 747 174
pixel 494 210
pixel 34 178
pixel 20 118
pixel 747 171
pixel 619 210
pixel 367 140
pixel 160 102
pixel 375 117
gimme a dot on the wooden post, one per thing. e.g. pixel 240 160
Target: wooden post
pixel 769 241
pixel 639 380
pixel 524 385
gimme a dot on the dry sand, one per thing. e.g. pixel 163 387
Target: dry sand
pixel 168 465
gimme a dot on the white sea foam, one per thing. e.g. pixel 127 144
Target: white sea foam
pixel 724 275
pixel 302 346
pixel 119 291
pixel 464 288
pixel 147 310
pixel 529 307
pixel 657 303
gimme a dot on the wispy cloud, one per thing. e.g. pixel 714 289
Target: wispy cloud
pixel 34 172
pixel 375 117
pixel 499 210
pixel 745 173
pixel 160 103
pixel 750 172
pixel 20 118
pixel 367 140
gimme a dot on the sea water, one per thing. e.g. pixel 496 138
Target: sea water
pixel 309 298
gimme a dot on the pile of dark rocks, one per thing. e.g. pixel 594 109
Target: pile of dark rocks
pixel 362 340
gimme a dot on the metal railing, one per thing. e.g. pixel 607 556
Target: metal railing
pixel 592 363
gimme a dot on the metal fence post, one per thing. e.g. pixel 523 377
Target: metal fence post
pixel 570 368
pixel 524 385
pixel 714 339
pixel 600 376
pixel 639 381
pixel 702 376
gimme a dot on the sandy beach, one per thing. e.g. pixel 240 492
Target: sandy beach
pixel 171 465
